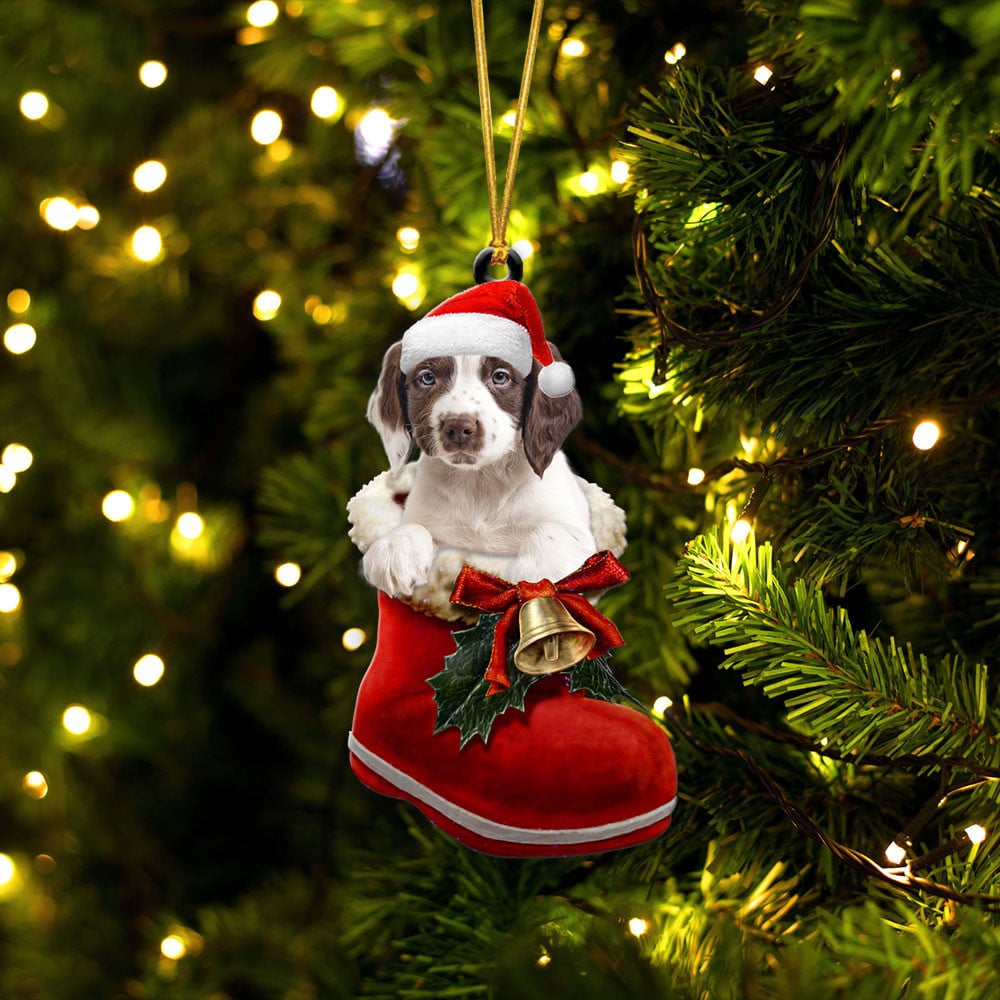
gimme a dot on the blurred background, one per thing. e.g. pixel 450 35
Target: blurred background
pixel 765 236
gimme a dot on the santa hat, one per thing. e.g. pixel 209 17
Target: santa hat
pixel 497 318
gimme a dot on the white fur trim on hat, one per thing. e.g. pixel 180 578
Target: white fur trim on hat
pixel 467 333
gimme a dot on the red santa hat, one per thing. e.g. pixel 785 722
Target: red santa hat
pixel 499 319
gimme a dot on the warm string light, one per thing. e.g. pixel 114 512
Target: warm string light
pixel 173 947
pixel 674 55
pixel 34 105
pixel 153 74
pixel 409 238
pixel 926 434
pixel 662 705
pixel 19 338
pixel 326 103
pixel 637 926
pixel 149 176
pixel 35 785
pixel 10 598
pixel 77 720
pixel 266 304
pixel 288 574
pixel 147 244
pixel 266 127
pixel 190 525
pixel 148 670
pixel 353 638
pixel 762 74
pixel 262 13
pixel 118 506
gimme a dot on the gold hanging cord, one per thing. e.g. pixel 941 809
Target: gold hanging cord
pixel 500 213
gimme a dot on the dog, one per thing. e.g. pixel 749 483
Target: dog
pixel 491 486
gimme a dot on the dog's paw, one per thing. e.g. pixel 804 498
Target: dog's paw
pixel 401 561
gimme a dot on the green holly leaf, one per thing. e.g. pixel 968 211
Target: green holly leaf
pixel 595 677
pixel 460 688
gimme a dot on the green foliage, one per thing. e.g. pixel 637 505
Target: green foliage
pixel 817 270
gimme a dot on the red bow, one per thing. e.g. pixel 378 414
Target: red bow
pixel 485 592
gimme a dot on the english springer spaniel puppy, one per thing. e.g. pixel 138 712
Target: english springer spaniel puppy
pixel 488 403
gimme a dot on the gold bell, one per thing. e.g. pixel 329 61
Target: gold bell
pixel 551 638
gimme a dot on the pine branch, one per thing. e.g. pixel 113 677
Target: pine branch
pixel 861 694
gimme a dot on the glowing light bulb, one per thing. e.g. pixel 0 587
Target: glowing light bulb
pixel 190 525
pixel 405 285
pixel 740 530
pixel 173 947
pixel 35 784
pixel 409 237
pixel 896 74
pixel 34 105
pixel 19 338
pixel 353 638
pixel 662 705
pixel 152 73
pixel 589 181
pixel 7 869
pixel 695 476
pixel 508 118
pixel 762 74
pixel 16 457
pixel 8 479
pixel 523 248
pixel 266 304
pixel 975 833
pixel 87 217
pixel 59 213
pixel 150 175
pixel 637 927
pixel 374 134
pixel 573 48
pixel 10 598
pixel 326 103
pixel 262 13
pixel 266 127
pixel 18 300
pixel 288 574
pixel 118 506
pixel 543 960
pixel 619 171
pixel 895 854
pixel 147 244
pixel 77 720
pixel 926 435
pixel 148 670
pixel 8 565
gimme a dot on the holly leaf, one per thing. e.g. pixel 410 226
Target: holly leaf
pixel 595 677
pixel 460 688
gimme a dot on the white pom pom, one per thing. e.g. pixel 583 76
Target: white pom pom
pixel 556 380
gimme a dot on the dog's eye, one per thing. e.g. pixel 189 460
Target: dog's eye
pixel 426 377
pixel 501 377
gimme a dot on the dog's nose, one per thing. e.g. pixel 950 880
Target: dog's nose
pixel 460 432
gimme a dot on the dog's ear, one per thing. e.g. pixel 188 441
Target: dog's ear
pixel 547 420
pixel 386 410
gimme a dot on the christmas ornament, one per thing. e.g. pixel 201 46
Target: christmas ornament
pixel 489 703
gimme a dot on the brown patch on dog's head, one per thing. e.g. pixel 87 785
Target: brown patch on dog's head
pixel 386 410
pixel 547 421
pixel 506 386
pixel 425 384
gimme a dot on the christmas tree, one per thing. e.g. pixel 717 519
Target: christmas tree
pixel 764 234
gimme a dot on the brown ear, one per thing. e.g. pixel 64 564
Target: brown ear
pixel 385 410
pixel 547 421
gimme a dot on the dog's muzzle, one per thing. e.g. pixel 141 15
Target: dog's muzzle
pixel 461 437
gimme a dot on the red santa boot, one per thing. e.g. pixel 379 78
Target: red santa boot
pixel 568 775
